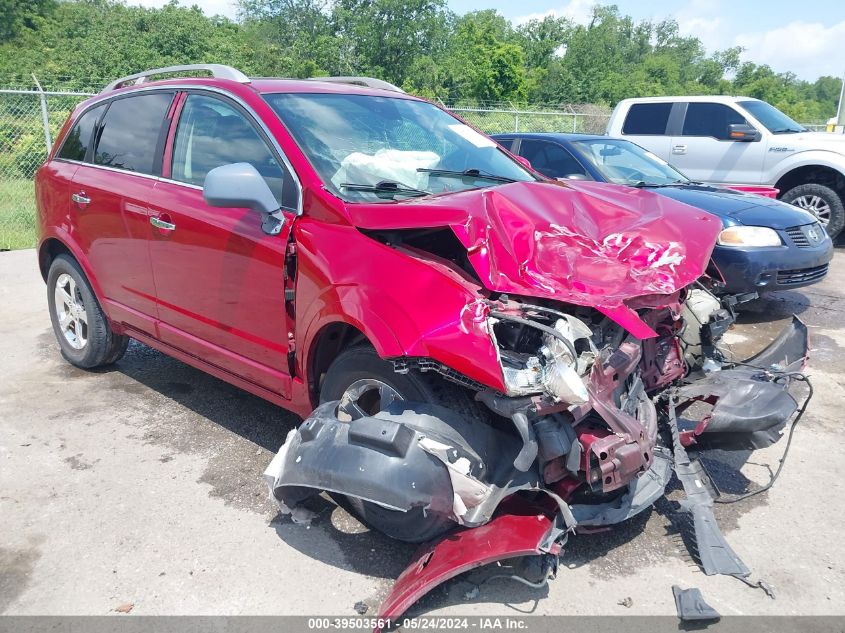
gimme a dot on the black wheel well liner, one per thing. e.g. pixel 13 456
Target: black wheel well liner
pixel 812 174
pixel 329 342
pixel 48 251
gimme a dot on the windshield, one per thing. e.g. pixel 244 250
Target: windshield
pixel 773 119
pixel 379 149
pixel 625 163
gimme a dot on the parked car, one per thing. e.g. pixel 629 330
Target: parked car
pixel 764 245
pixel 478 352
pixel 739 140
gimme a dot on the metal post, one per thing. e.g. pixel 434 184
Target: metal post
pixel 574 123
pixel 516 121
pixel 840 112
pixel 45 120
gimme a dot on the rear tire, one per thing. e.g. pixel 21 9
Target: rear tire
pixel 362 363
pixel 823 202
pixel 82 330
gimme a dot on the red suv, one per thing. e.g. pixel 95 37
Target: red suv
pixel 465 338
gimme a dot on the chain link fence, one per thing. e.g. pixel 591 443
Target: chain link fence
pixel 499 119
pixel 24 142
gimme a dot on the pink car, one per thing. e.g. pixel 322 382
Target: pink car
pixel 484 359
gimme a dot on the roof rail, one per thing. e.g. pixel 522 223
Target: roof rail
pixel 218 71
pixel 367 82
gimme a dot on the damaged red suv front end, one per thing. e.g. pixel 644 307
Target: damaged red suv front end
pixel 527 353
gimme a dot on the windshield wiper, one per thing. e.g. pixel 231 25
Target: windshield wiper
pixel 385 186
pixel 467 173
pixel 677 183
pixel 788 130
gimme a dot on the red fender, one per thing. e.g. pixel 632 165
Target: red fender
pixel 506 536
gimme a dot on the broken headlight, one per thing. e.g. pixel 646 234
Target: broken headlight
pixel 551 357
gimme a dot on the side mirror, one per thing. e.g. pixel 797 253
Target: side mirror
pixel 523 161
pixel 574 177
pixel 240 185
pixel 743 132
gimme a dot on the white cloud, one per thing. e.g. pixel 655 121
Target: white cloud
pixel 808 49
pixel 579 11
pixel 227 8
pixel 698 19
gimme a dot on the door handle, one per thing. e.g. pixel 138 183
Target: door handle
pixel 161 224
pixel 679 149
pixel 81 199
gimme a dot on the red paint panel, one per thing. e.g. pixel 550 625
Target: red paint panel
pixel 112 231
pixel 760 190
pixel 583 243
pixel 219 285
pixel 406 305
pixel 506 536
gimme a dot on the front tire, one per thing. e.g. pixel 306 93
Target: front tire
pixel 823 202
pixel 82 330
pixel 360 373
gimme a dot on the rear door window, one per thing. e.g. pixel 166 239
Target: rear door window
pixel 507 143
pixel 76 142
pixel 213 132
pixel 647 118
pixel 131 132
pixel 550 159
pixel 710 119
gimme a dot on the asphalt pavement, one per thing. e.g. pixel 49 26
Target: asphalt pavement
pixel 141 485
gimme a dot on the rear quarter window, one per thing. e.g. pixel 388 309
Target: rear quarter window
pixel 130 132
pixel 76 142
pixel 647 118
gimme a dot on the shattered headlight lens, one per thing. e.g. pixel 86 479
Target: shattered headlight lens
pixel 525 380
pixel 754 236
pixel 552 368
pixel 562 372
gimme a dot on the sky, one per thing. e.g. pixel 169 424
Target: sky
pixel 806 41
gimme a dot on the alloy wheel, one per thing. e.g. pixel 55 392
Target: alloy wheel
pixel 70 312
pixel 815 205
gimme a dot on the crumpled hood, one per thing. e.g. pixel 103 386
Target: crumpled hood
pixel 593 244
pixel 741 207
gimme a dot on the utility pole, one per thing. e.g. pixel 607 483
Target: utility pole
pixel 45 119
pixel 840 112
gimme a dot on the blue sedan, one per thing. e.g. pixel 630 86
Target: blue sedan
pixel 765 244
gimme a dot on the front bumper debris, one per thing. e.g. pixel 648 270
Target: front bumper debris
pixel 750 402
pixel 528 530
pixel 415 455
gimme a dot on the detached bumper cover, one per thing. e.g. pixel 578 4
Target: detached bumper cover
pixel 751 403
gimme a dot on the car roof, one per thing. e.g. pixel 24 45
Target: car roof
pixel 554 136
pixel 261 85
pixel 268 85
pixel 271 85
pixel 690 98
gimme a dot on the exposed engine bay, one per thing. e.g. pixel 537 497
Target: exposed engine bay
pixel 588 433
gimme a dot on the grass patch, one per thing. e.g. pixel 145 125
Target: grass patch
pixel 17 214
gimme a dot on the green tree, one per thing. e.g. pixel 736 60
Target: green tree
pixel 387 36
pixel 18 15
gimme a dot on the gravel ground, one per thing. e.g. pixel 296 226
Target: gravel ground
pixel 141 485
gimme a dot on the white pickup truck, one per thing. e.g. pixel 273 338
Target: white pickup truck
pixel 741 141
